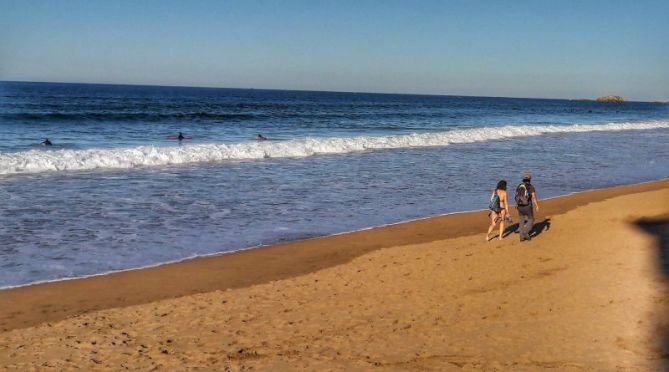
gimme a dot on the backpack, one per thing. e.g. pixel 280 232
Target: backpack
pixel 495 203
pixel 522 195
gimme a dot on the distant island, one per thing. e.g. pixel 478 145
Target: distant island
pixel 610 99
pixel 613 99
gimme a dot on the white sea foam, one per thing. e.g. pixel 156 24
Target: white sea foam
pixel 143 156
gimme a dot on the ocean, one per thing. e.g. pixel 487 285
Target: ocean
pixel 115 192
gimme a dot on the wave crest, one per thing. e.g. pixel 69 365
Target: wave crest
pixel 35 161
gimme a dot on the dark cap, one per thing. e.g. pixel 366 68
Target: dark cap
pixel 527 176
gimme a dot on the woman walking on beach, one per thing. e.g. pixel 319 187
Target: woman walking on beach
pixel 499 208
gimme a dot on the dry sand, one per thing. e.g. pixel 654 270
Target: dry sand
pixel 588 293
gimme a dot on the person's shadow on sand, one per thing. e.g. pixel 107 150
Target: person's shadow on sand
pixel 540 227
pixel 537 229
pixel 659 229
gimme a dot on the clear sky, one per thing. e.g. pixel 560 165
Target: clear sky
pixel 537 48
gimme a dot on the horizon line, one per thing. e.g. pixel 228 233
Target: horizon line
pixel 309 90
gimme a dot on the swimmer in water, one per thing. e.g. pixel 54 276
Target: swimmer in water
pixel 46 142
pixel 260 137
pixel 180 136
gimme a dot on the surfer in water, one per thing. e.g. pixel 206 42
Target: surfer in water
pixel 46 142
pixel 180 137
pixel 260 137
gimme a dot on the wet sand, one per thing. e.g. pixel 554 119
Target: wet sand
pixel 587 293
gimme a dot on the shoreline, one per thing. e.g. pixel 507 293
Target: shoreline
pixel 261 246
pixel 32 304
pixel 588 292
pixel 223 253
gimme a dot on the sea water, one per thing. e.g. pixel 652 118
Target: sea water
pixel 115 192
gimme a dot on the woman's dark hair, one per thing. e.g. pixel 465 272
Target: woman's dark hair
pixel 501 185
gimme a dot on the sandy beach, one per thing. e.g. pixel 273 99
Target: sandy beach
pixel 589 292
pixel 307 186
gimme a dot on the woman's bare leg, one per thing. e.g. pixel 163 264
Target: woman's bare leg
pixel 502 217
pixel 493 217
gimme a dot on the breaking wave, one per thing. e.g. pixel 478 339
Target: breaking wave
pixel 36 161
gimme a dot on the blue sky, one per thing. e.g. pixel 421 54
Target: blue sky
pixel 560 49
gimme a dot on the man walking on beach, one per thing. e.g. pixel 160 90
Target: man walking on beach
pixel 526 199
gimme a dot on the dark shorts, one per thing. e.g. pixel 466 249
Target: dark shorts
pixel 526 210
